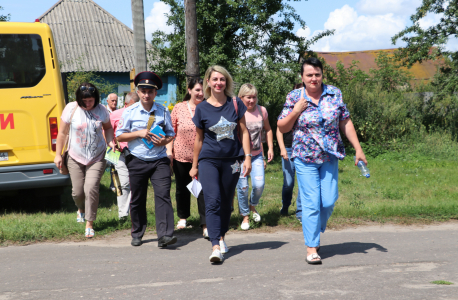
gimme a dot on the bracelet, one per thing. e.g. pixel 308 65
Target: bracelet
pixel 248 155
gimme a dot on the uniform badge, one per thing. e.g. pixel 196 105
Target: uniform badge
pixel 121 121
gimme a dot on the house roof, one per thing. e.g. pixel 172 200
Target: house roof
pixel 421 72
pixel 88 38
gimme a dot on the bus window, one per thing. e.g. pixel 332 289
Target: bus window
pixel 22 61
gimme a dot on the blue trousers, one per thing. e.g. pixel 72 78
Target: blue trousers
pixel 318 192
pixel 257 182
pixel 289 173
pixel 218 185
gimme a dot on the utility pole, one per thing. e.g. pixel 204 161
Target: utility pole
pixel 139 36
pixel 192 47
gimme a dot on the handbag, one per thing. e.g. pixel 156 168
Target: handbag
pixel 64 167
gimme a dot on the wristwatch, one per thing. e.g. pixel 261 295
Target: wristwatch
pixel 248 155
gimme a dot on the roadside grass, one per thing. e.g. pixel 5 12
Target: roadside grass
pixel 442 282
pixel 403 189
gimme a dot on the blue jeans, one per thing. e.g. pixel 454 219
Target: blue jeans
pixel 289 172
pixel 257 182
pixel 318 189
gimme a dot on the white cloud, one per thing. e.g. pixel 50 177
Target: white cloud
pixel 303 32
pixel 380 7
pixel 157 20
pixel 430 20
pixel 359 32
pixel 371 26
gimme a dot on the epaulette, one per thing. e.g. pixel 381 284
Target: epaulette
pixel 133 106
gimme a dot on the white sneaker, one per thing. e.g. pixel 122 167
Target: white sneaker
pixel 256 217
pixel 80 217
pixel 223 247
pixel 216 256
pixel 245 226
pixel 205 234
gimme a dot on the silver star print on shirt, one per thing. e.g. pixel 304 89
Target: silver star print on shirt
pixel 223 129
pixel 235 167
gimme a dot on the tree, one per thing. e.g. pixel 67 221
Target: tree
pixel 389 75
pixel 75 79
pixel 419 41
pixel 4 18
pixel 253 39
pixel 230 33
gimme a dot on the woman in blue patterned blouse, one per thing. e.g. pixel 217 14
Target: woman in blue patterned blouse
pixel 317 115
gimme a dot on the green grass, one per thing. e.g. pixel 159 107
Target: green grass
pixel 403 189
pixel 442 282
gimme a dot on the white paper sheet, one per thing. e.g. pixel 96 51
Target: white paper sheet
pixel 194 187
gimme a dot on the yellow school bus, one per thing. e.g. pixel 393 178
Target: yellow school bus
pixel 31 103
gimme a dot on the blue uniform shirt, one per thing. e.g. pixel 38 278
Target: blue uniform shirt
pixel 135 118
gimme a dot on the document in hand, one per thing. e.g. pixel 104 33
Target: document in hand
pixel 112 156
pixel 155 130
pixel 194 187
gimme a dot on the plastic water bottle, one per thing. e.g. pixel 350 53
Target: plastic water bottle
pixel 363 168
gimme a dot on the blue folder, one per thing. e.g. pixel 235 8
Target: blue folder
pixel 155 130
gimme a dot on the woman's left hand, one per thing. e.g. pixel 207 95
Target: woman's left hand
pixel 360 156
pixel 111 145
pixel 246 169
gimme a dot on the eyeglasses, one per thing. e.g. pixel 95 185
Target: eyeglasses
pixel 85 88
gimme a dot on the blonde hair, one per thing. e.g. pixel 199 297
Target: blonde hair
pixel 248 89
pixel 228 91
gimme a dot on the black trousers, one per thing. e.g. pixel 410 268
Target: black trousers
pixel 158 172
pixel 183 195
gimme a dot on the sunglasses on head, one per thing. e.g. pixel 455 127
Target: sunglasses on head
pixel 85 88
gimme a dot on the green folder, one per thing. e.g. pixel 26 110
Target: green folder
pixel 112 156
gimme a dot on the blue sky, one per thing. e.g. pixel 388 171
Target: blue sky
pixel 359 24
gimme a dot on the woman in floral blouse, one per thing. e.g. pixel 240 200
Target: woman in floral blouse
pixel 317 115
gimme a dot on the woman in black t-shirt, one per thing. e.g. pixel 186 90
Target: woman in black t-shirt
pixel 221 133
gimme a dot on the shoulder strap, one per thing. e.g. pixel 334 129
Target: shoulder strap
pixel 152 118
pixel 67 131
pixel 70 122
pixel 234 100
pixel 260 112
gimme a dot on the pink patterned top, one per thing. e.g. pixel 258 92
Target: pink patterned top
pixel 87 143
pixel 185 130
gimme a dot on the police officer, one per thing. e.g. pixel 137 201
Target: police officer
pixel 144 163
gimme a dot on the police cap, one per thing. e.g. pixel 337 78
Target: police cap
pixel 148 80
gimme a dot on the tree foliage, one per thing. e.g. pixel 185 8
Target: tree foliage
pixel 389 76
pixel 253 39
pixel 75 79
pixel 441 110
pixel 419 41
pixel 229 32
pixel 4 18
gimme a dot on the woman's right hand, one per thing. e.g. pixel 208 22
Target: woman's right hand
pixel 300 106
pixel 194 172
pixel 58 161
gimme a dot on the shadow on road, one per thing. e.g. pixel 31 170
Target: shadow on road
pixel 235 250
pixel 328 251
